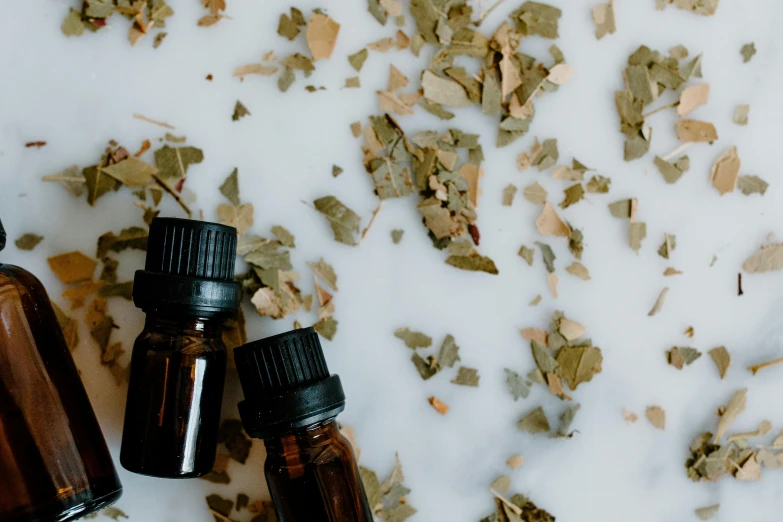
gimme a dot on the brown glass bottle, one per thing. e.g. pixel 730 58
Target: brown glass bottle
pixel 291 403
pixel 178 365
pixel 54 463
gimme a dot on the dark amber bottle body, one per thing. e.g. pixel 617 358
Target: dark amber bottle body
pixel 313 476
pixel 175 395
pixel 54 462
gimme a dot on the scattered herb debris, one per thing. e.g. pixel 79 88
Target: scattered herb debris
pixel 747 51
pixel 752 185
pixel 466 377
pixel 720 355
pixel 508 194
pixel 756 367
pixel 387 499
pixel 534 421
pixel 396 235
pixel 659 301
pixel 28 241
pixel 741 114
pixel 413 340
pixel 343 220
pixel 240 111
pixel 656 416
pixel 768 258
pixel 515 462
pixel 707 512
pixel 681 356
pixel 603 17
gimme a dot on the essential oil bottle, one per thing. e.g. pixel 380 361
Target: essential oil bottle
pixel 54 463
pixel 291 403
pixel 178 364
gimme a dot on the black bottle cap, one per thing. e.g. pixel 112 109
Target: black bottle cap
pixel 2 236
pixel 286 384
pixel 189 269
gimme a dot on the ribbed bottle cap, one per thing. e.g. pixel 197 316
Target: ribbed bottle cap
pixel 286 383
pixel 189 268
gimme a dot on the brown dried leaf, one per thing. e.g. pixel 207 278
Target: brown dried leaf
pixel 695 131
pixel 725 171
pixel 72 267
pixel 322 34
pixel 656 416
pixel 549 223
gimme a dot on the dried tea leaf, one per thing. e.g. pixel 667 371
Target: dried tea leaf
pixel 603 17
pixel 560 73
pixel 706 513
pixel 173 162
pixel 548 255
pixel 768 258
pixel 321 35
pixel 413 339
pixel 659 301
pixel 255 68
pixel 325 271
pixel 501 484
pixel 71 178
pixel 377 11
pixel 750 470
pixel 579 270
pixel 98 183
pixel 526 254
pixel 466 377
pixel 544 360
pixel 682 356
pixel 240 111
pixel 547 155
pixel 396 235
pixel 656 416
pixel 534 422
pixel 234 439
pixel 425 367
pixel 752 185
pixel 449 353
pixel 569 329
pixel 579 364
pixel 28 241
pixel 552 282
pixel 336 170
pixel 566 419
pixel 535 193
pixel 286 79
pixel 326 327
pixel 572 195
pixel 692 97
pixel 549 223
pixel 444 91
pixel 113 513
pixel 636 233
pixel 725 171
pixel 741 114
pixel 73 24
pixel 537 18
pixel 668 246
pixel 473 262
pixel 124 289
pixel 440 406
pixel 508 194
pixel 670 271
pixel 343 220
pixel 72 267
pixel 630 416
pixel 598 185
pixel 623 209
pixel 747 51
pixel 671 172
pixel 735 406
pixel 240 217
pixel 695 131
pixel 517 386
pixel 131 172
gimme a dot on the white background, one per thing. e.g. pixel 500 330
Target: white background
pixel 78 93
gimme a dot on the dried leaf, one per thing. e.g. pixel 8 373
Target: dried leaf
pixel 449 353
pixel 636 233
pixel 768 258
pixel 240 111
pixel 750 470
pixel 747 51
pixel 240 217
pixel 573 194
pixel 322 34
pixel 579 270
pixel 536 18
pixel 173 162
pixel 725 171
pixel 71 178
pixel 526 254
pixel 413 339
pixel 735 406
pixel 706 513
pixel 695 131
pixel 598 185
pixel 535 193
pixel 444 91
pixel 741 114
pixel 73 24
pixel 752 185
pixel 230 188
pixel 131 172
pixel 579 364
pixel 343 220
pixel 473 262
pixel 255 68
pixel 656 416
pixel 72 267
pixel 440 406
pixel 692 97
pixel 672 172
pixel 325 271
pixel 630 416
pixel 285 237
pixel 515 462
pixel 466 377
pixel 516 384
pixel 28 241
pixel 681 356
pixel 508 194
pixel 659 301
pixel 326 327
pixel 603 17
pixel 623 209
pixel 566 419
pixel 668 246
pixel 534 422
pixel 396 235
pixel 549 223
pixel 548 256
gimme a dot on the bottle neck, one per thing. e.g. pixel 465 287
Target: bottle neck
pixel 191 326
pixel 310 436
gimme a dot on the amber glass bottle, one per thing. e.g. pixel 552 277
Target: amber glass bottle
pixel 54 463
pixel 178 364
pixel 291 403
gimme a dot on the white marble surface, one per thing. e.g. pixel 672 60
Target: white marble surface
pixel 78 93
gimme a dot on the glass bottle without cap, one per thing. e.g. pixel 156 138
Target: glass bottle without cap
pixel 54 463
pixel 178 365
pixel 291 402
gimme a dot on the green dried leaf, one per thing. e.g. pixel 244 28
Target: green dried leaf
pixel 343 220
pixel 327 327
pixel 285 237
pixel 527 254
pixel 234 439
pixel 668 246
pixel 548 154
pixel 537 18
pixel 173 162
pixel 490 93
pixel 706 513
pixel 287 27
pixel 544 360
pixel 573 194
pixel 357 59
pixel 636 233
pixel 449 353
pixel 129 238
pixel 28 241
pixel 548 256
pixel 426 368
pixel 682 356
pixel 516 384
pixel 413 339
pixel 636 146
pixel 579 364
pixel 396 235
pixel 286 79
pixel 534 422
pixel 747 51
pixel 220 504
pixel 623 208
pixel 576 242
pixel 131 172
pixel 508 194
pixel 240 111
pixel 230 188
pixel 117 290
pixel 73 24
pixel 579 270
pixel 372 487
pixel 467 377
pixel 435 109
pixel 535 193
pixel 71 178
pixel 598 185
pixel 473 262
pixel 98 183
pixel 752 185
pixel 392 180
pixel 566 419
pixel 671 172
pixel 377 11
pixel 444 91
pixel 325 271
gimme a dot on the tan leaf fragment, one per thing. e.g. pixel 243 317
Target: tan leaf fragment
pixel 659 302
pixel 768 258
pixel 560 73
pixel 741 114
pixel 571 330
pixel 444 91
pixel 725 171
pixel 692 97
pixel 706 513
pixel 515 462
pixel 750 470
pixel 322 34
pixel 577 269
pixel 670 271
pixel 397 80
pixel 535 193
pixel 657 417
pixel 695 131
pixel 549 223
pixel 603 17
pixel 630 416
pixel 72 267
pixel 722 359
pixel 255 68
pixel 735 406
pixel 552 281
pixel 472 174
pixel 535 334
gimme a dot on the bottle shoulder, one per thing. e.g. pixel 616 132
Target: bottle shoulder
pixel 23 281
